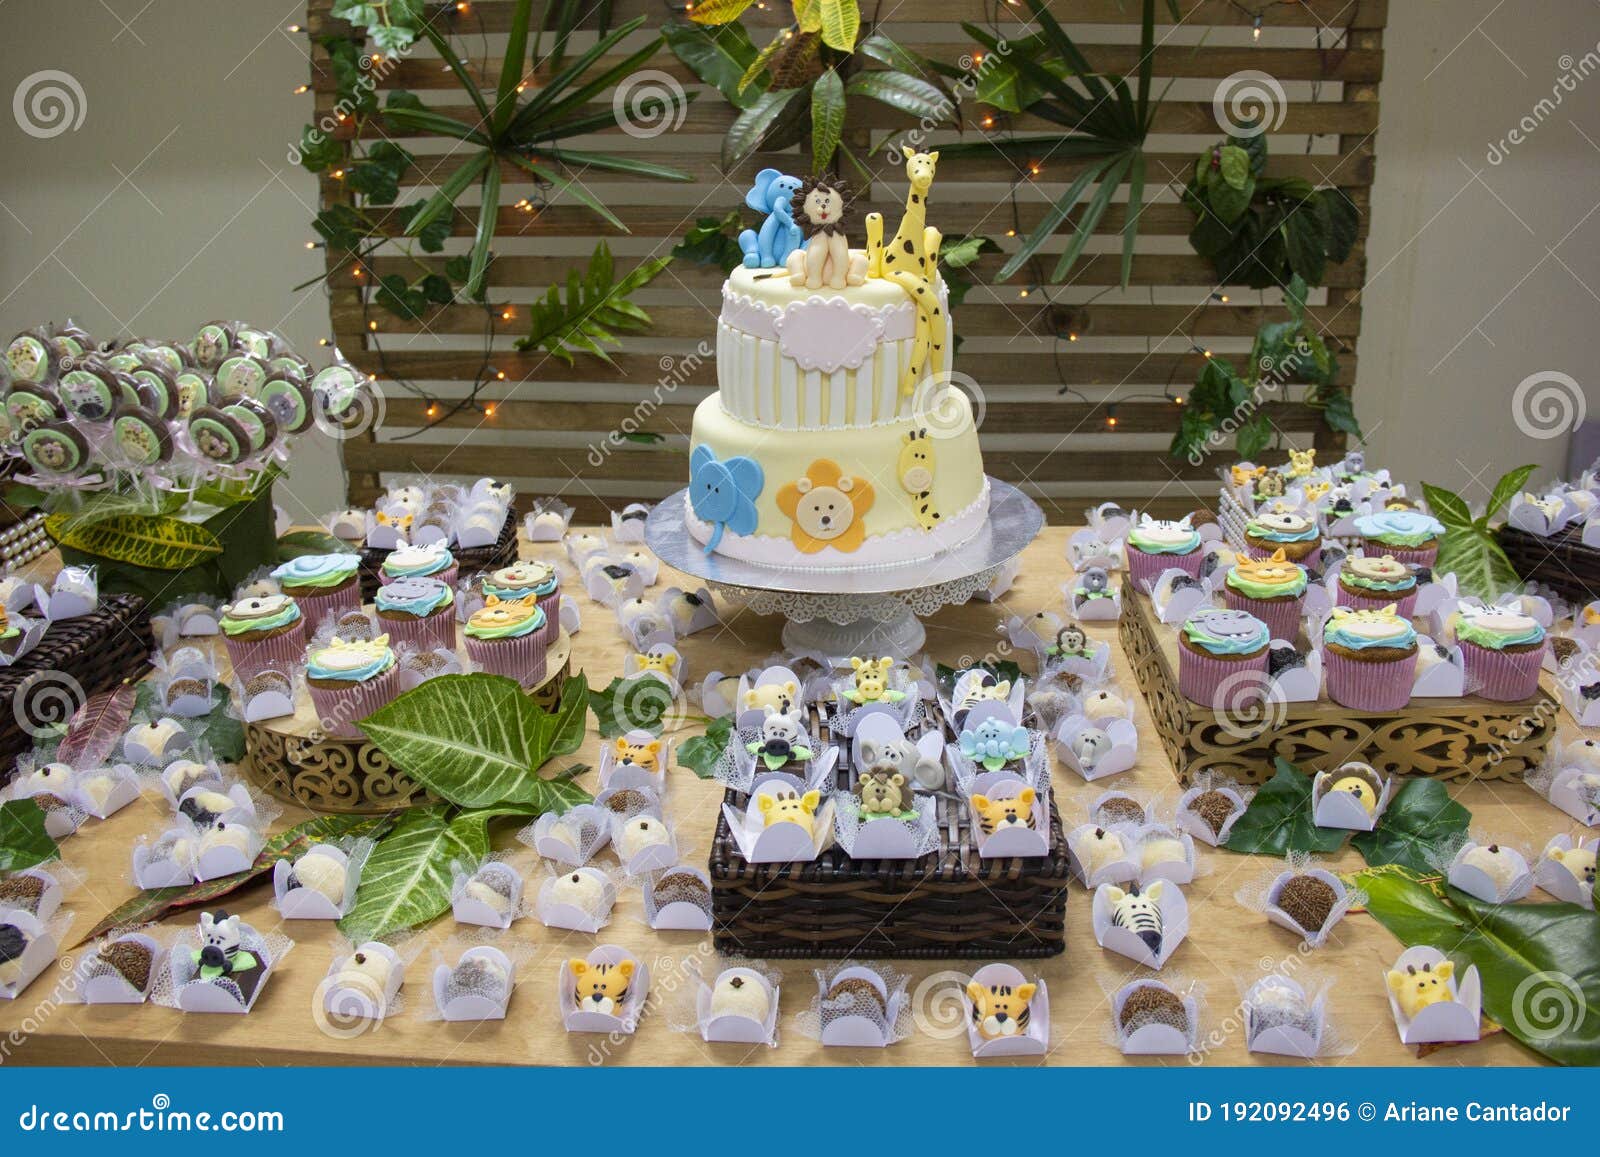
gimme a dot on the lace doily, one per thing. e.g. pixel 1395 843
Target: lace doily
pixel 802 607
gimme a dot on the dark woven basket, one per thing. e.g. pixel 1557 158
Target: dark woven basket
pixel 502 552
pixel 1561 562
pixel 75 659
pixel 948 904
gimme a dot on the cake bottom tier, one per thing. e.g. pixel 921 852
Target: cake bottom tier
pixel 841 499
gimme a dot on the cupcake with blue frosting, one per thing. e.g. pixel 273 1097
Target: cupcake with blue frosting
pixel 1407 535
pixel 349 679
pixel 429 560
pixel 1503 649
pixel 1156 544
pixel 417 611
pixel 262 631
pixel 1283 527
pixel 323 586
pixel 507 637
pixel 1370 658
pixel 529 579
pixel 1221 652
pixel 1372 582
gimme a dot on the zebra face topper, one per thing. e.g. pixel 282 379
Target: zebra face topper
pixel 1138 912
pixel 1163 531
pixel 999 1010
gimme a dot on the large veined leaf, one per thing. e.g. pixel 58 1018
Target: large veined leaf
pixel 151 541
pixel 827 119
pixel 908 94
pixel 300 542
pixel 97 727
pixel 406 880
pixel 717 55
pixel 1540 963
pixel 1418 826
pixel 287 845
pixel 700 753
pixel 1468 548
pixel 593 311
pixel 478 740
pixel 840 24
pixel 1278 820
pixel 23 840
pixel 751 127
pixel 718 11
pixel 638 703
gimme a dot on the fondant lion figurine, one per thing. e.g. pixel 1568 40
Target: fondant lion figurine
pixel 826 257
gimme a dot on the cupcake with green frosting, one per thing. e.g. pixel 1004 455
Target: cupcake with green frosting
pixel 1222 658
pixel 1408 535
pixel 1503 649
pixel 323 586
pixel 349 679
pixel 431 560
pixel 262 631
pixel 530 578
pixel 1272 589
pixel 1370 583
pixel 1281 527
pixel 507 637
pixel 1155 545
pixel 418 611
pixel 1370 659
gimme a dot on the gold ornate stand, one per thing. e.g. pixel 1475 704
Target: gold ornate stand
pixel 292 759
pixel 1455 739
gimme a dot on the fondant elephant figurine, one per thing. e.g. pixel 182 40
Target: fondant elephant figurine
pixel 772 194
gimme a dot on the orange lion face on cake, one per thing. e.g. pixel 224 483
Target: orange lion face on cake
pixel 826 505
pixel 1274 571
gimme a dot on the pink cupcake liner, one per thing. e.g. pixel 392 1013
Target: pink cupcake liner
pixel 1220 684
pixel 1146 568
pixel 521 658
pixel 447 576
pixel 1403 608
pixel 1363 686
pixel 426 633
pixel 1282 619
pixel 1312 561
pixel 550 604
pixel 1504 676
pixel 317 609
pixel 282 651
pixel 341 708
pixel 1401 554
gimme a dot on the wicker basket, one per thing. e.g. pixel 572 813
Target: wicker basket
pixel 1561 562
pixel 75 658
pixel 502 552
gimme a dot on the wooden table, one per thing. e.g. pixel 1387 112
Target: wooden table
pixel 1228 945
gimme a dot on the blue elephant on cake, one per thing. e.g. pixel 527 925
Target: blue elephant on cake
pixel 772 194
pixel 723 493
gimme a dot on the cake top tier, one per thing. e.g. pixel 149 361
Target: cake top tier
pixel 774 287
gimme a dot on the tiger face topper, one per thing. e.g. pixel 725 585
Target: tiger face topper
pixel 827 507
pixel 995 814
pixel 1242 477
pixel 644 755
pixel 1000 1010
pixel 497 612
pixel 1275 570
pixel 600 988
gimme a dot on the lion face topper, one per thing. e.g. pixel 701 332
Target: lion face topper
pixel 824 204
pixel 827 506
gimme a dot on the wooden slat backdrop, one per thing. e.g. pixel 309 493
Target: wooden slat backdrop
pixel 1134 344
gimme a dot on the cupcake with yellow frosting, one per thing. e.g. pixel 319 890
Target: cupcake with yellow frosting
pixel 1155 545
pixel 1272 589
pixel 1370 583
pixel 507 637
pixel 1503 649
pixel 1370 658
pixel 349 680
pixel 323 586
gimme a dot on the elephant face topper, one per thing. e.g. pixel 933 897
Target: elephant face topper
pixel 994 743
pixel 724 492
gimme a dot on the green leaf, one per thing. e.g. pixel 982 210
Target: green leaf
pixel 752 125
pixel 301 542
pixel 712 241
pixel 756 71
pixel 1344 223
pixel 218 728
pixel 887 51
pixel 319 152
pixel 640 703
pixel 1539 963
pixel 488 217
pixel 827 119
pixel 23 840
pixel 1254 436
pixel 1305 243
pixel 1234 166
pixel 700 753
pixel 718 11
pixel 1110 177
pixel 717 55
pixel 1278 820
pixel 1447 507
pixel 841 24
pixel 1506 489
pixel 1338 412
pixel 158 543
pixel 476 740
pixel 286 845
pixel 505 99
pixel 906 93
pixel 1416 829
pixel 406 880
pixel 1000 668
pixel 592 310
pixel 1229 203
pixel 1478 562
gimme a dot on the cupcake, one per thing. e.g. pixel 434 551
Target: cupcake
pixel 507 637
pixel 1407 535
pixel 10 635
pixel 349 681
pixel 1154 545
pixel 431 561
pixel 524 579
pixel 1370 658
pixel 1272 589
pixel 1370 583
pixel 1282 527
pixel 322 585
pixel 1503 649
pixel 418 611
pixel 262 631
pixel 1214 647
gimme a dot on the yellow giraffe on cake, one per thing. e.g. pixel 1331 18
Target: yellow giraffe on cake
pixel 911 261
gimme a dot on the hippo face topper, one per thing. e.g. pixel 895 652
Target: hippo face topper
pixel 1230 624
pixel 407 590
pixel 723 492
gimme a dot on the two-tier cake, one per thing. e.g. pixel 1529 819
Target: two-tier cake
pixel 836 439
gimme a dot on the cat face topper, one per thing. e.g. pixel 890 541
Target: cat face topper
pixel 1273 571
pixel 499 612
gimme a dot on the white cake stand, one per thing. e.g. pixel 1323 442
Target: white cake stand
pixel 867 611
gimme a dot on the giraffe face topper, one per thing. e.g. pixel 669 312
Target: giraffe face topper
pixel 920 167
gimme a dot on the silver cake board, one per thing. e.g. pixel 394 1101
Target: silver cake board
pixel 834 614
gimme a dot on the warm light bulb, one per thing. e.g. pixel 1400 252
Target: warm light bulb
pixel 506 315
pixel 500 375
pixel 1222 297
pixel 311 244
pixel 302 88
pixel 489 410
pixel 322 341
pixel 373 326
pixel 1034 168
pixel 432 410
pixel 294 28
pixel 462 5
pixel 1011 232
pixel 1022 293
pixel 337 174
pixel 1110 421
pixel 1072 336
pixel 988 122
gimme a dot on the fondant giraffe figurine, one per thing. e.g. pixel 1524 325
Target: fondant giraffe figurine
pixel 915 468
pixel 911 261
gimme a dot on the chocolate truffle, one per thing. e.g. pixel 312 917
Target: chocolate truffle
pixel 1308 901
pixel 131 960
pixel 1119 809
pixel 1153 1004
pixel 628 800
pixel 681 886
pixel 1213 808
pixel 23 892
pixel 857 994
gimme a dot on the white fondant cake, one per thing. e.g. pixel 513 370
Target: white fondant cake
pixel 829 445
